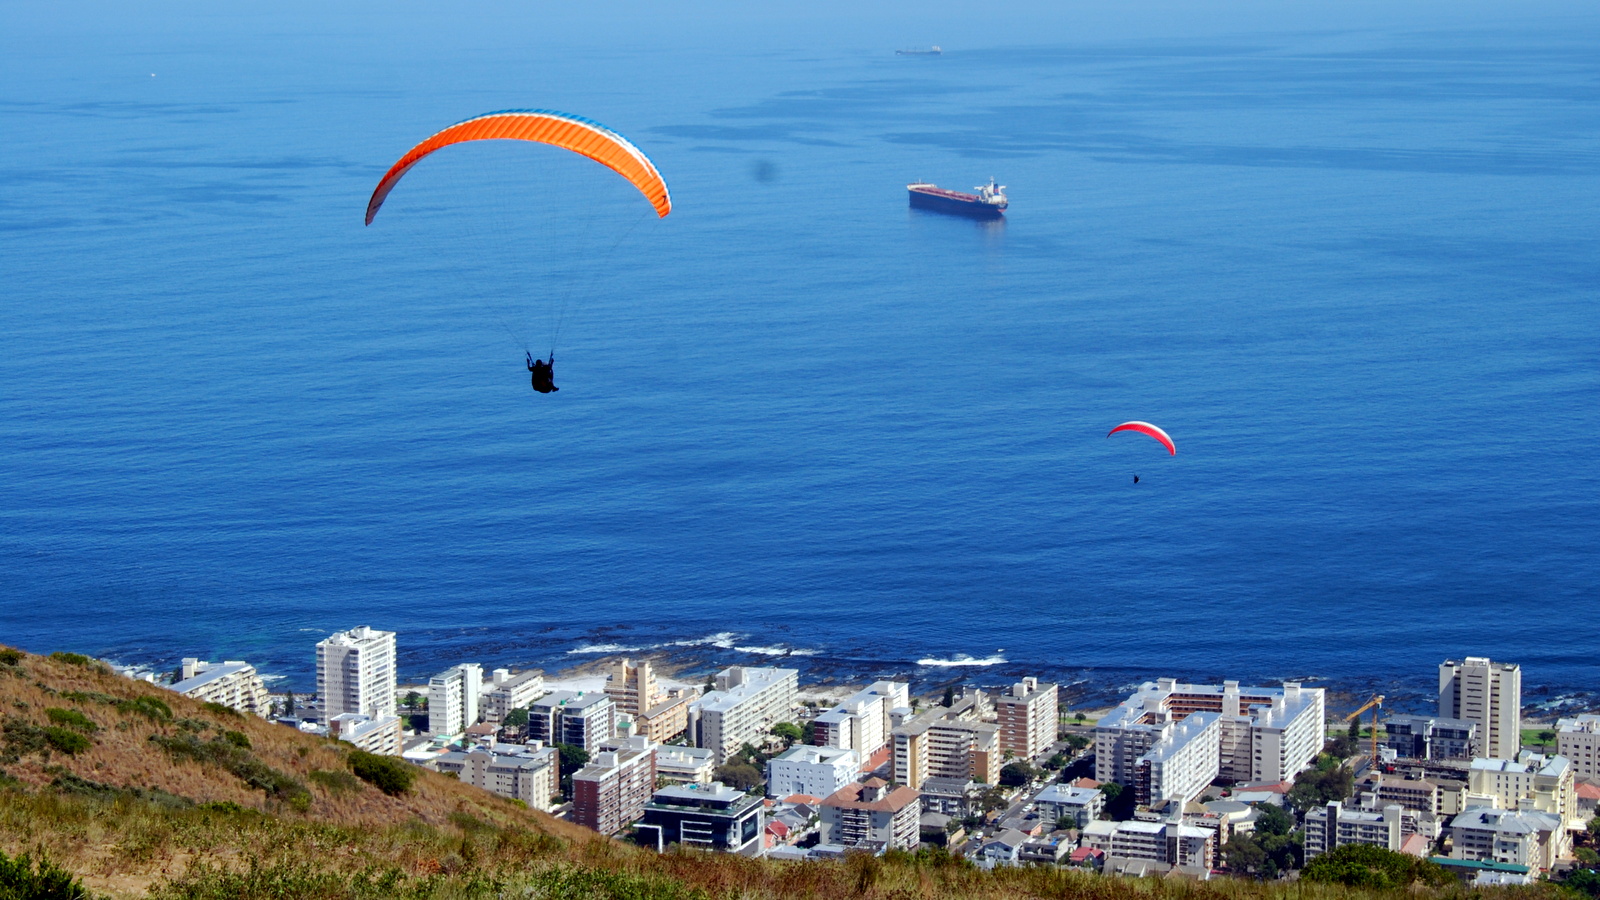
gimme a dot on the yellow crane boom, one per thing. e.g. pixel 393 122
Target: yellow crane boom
pixel 1376 705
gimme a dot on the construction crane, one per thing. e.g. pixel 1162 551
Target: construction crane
pixel 1376 705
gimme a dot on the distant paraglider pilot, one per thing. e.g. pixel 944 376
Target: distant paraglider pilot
pixel 543 374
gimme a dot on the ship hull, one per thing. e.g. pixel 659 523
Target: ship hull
pixel 973 208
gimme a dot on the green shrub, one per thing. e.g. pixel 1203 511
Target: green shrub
pixel 149 707
pixel 1368 866
pixel 221 710
pixel 334 781
pixel 237 738
pixel 71 718
pixel 389 774
pixel 66 740
pixel 238 761
pixel 77 786
pixel 10 657
pixel 21 738
pixel 76 659
pixel 23 879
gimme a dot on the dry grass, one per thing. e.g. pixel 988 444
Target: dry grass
pixel 441 840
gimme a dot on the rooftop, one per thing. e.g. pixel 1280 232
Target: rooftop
pixel 872 795
pixel 213 672
pixel 806 753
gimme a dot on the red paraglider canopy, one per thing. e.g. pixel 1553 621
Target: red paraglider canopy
pixel 1151 430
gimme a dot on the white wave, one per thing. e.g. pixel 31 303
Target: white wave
pixel 723 640
pixel 602 648
pixel 776 651
pixel 961 660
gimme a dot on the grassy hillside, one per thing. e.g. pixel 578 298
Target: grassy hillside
pixel 140 792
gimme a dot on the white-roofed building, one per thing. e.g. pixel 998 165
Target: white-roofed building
pixel 374 734
pixel 1061 801
pixel 805 769
pixel 1532 839
pixel 233 684
pixel 748 701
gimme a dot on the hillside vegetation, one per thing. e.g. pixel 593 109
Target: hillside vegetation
pixel 137 791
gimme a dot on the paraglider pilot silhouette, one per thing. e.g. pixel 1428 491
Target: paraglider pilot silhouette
pixel 543 374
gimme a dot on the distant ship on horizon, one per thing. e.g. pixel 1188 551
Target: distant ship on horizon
pixel 931 51
pixel 988 203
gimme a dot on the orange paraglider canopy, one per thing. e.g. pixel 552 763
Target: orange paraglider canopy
pixel 543 126
pixel 1151 430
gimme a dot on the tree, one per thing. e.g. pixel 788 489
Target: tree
pixel 949 696
pixel 1584 881
pixel 573 758
pixel 1272 819
pixel 740 774
pixel 1545 737
pixel 808 733
pixel 1586 857
pixel 1243 854
pixel 1316 787
pixel 1369 866
pixel 413 699
pixel 517 718
pixel 1056 761
pixel 288 703
pixel 1079 718
pixel 1017 774
pixel 789 731
pixel 1594 828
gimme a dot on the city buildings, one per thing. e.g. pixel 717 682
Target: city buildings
pixel 374 734
pixel 1488 694
pixel 703 816
pixel 873 816
pixel 1532 839
pixel 234 684
pixel 612 790
pixel 511 691
pixel 818 771
pixel 1265 735
pixel 1534 782
pixel 356 673
pixel 1028 718
pixel 580 718
pixel 1431 737
pixel 532 775
pixel 1335 825
pixel 863 721
pixel 947 742
pixel 746 704
pixel 453 699
pixel 632 687
pixel 1578 739
pixel 1078 806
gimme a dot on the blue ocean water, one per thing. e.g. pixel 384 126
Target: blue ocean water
pixel 1352 271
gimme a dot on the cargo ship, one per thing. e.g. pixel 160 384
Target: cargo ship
pixel 988 203
pixel 931 51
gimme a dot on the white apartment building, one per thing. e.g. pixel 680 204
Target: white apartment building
pixel 863 721
pixel 1534 782
pixel 453 699
pixel 511 691
pixel 1532 839
pixel 356 673
pixel 531 775
pixel 374 734
pixel 746 704
pixel 871 814
pixel 1264 734
pixel 1028 718
pixel 1164 842
pixel 1488 694
pixel 818 771
pixel 580 718
pixel 234 684
pixel 1183 763
pixel 1578 739
pixel 1060 801
pixel 692 765
pixel 1335 825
